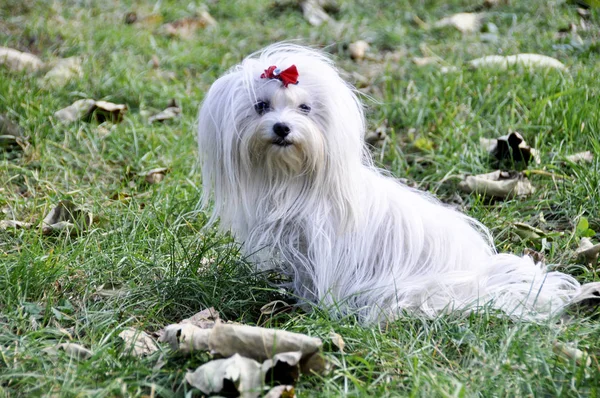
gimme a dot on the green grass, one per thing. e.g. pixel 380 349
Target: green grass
pixel 147 239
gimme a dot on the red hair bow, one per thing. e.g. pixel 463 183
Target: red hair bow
pixel 288 76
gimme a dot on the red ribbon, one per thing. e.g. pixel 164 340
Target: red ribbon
pixel 288 76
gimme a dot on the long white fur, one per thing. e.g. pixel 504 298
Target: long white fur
pixel 352 239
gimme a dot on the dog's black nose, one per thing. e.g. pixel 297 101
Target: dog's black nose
pixel 281 130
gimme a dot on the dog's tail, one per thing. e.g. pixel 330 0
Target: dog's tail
pixel 526 290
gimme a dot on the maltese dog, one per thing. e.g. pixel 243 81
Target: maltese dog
pixel 283 158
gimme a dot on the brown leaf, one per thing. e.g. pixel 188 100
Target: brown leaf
pixel 588 298
pixel 73 350
pixel 337 340
pixel 581 157
pixel 66 216
pixel 511 146
pixel 186 337
pixel 274 307
pixel 63 71
pixel 283 368
pixel 588 251
pixel 498 184
pixel 155 176
pixel 185 28
pixel 500 62
pixel 172 111
pixel 87 109
pixel 234 376
pixel 464 21
pixel 76 111
pixel 14 224
pixel 570 351
pixel 108 111
pixel 259 343
pixel 19 61
pixel 358 49
pixel 204 319
pixel 281 392
pixel 138 342
pixel 314 13
pixel 422 61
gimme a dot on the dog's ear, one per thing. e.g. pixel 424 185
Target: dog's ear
pixel 218 138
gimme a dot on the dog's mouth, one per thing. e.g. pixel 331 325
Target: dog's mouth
pixel 281 142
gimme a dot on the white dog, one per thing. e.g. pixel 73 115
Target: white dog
pixel 283 157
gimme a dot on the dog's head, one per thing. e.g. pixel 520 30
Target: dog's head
pixel 282 111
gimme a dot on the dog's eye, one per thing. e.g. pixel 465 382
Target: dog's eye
pixel 304 108
pixel 261 107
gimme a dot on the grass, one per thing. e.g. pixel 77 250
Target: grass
pixel 146 239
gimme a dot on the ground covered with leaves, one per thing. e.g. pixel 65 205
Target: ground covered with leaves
pixel 99 233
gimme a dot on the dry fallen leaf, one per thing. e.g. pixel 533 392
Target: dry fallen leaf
pixel 110 290
pixel 588 251
pixel 186 337
pixel 314 13
pixel 155 176
pixel 63 71
pixel 358 49
pixel 171 112
pixel 588 298
pixel 19 61
pixel 14 224
pixel 498 184
pixel 581 157
pixel 422 61
pixel 275 307
pixel 138 342
pixel 281 392
pixel 466 22
pixel 11 136
pixel 283 368
pixel 337 340
pixel 204 319
pixel 65 216
pixel 259 343
pixel 511 146
pixel 76 351
pixel 76 111
pixel 570 351
pixel 524 60
pixel 234 376
pixel 186 28
pixel 87 109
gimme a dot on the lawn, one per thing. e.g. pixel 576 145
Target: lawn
pixel 145 260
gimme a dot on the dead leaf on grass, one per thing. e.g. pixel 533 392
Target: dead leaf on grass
pixel 186 28
pixel 204 319
pixel 569 351
pixel 110 290
pixel 14 224
pixel 172 111
pixel 283 368
pixel 11 136
pixel 511 146
pixel 275 307
pixel 65 216
pixel 523 60
pixel 19 61
pixel 588 298
pixel 588 251
pixel 314 13
pixel 281 392
pixel 423 61
pixel 186 337
pixel 358 49
pixel 138 342
pixel 234 376
pixel 259 343
pixel 465 22
pixel 155 176
pixel 581 157
pixel 73 350
pixel 337 340
pixel 498 184
pixel 88 109
pixel 63 71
